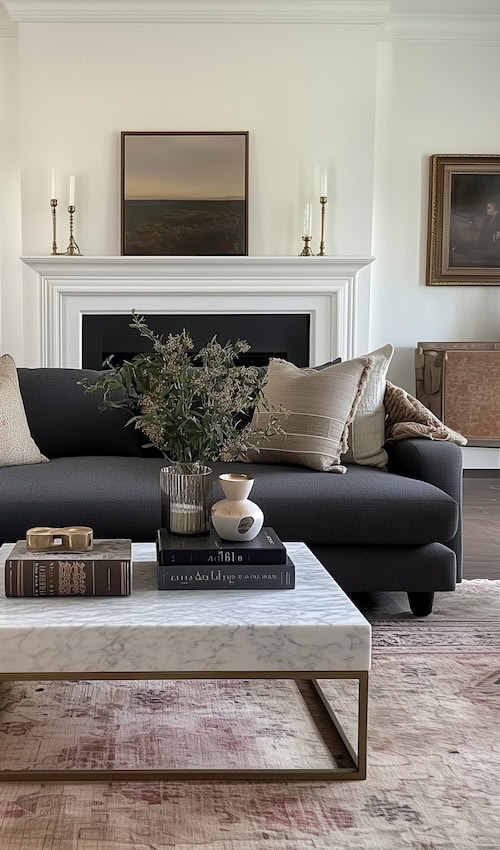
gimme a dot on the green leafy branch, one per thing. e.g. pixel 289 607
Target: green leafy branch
pixel 192 407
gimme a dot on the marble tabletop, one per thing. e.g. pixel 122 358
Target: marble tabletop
pixel 311 628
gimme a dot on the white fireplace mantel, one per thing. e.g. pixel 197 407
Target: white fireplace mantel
pixel 326 288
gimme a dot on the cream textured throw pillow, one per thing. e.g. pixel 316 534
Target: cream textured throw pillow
pixel 16 443
pixel 366 436
pixel 321 405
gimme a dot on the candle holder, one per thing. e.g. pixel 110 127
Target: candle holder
pixel 53 204
pixel 72 249
pixel 306 250
pixel 323 200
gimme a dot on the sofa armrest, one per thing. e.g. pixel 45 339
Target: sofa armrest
pixel 439 463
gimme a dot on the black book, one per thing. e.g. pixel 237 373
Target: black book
pixel 266 548
pixel 227 576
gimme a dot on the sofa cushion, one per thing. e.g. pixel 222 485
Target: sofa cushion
pixel 366 436
pixel 321 405
pixel 365 506
pixel 115 496
pixel 65 420
pixel 121 495
pixel 16 443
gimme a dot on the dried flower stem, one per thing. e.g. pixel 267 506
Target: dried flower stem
pixel 191 407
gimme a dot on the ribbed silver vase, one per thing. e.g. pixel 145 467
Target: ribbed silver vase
pixel 186 498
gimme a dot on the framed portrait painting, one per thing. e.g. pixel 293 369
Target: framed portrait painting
pixel 464 221
pixel 184 193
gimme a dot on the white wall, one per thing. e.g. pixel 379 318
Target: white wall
pixel 306 94
pixel 279 82
pixel 11 290
pixel 297 91
pixel 434 98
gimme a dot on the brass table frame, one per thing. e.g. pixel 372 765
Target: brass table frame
pixel 357 770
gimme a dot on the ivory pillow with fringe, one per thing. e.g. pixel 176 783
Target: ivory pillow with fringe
pixel 321 404
pixel 366 436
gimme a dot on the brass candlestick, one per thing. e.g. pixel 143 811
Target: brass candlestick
pixel 53 204
pixel 306 250
pixel 322 253
pixel 72 249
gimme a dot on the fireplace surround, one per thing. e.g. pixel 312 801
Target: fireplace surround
pixel 333 292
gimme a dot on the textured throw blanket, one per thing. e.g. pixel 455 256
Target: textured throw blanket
pixel 408 417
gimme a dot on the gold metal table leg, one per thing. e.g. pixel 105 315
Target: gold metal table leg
pixel 358 756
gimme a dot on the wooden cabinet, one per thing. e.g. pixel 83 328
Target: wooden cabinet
pixel 460 383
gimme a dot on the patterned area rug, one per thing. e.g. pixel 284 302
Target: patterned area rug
pixel 433 761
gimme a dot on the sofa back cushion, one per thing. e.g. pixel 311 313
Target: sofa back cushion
pixel 65 421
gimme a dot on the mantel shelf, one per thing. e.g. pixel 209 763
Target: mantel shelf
pixel 198 266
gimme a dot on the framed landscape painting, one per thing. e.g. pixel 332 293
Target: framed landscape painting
pixel 464 220
pixel 184 194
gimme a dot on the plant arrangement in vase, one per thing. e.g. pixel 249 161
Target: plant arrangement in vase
pixel 192 407
pixel 189 405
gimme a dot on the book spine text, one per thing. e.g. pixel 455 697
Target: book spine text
pixel 221 557
pixel 223 578
pixel 67 577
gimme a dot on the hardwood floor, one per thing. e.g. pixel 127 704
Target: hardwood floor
pixel 482 526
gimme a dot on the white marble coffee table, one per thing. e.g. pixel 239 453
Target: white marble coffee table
pixel 312 632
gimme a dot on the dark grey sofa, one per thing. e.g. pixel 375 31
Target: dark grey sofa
pixel 373 529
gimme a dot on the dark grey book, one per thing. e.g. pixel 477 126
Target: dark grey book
pixel 266 548
pixel 227 577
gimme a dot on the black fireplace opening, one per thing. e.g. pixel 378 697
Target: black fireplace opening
pixel 284 335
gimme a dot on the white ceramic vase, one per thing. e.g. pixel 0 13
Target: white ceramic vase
pixel 236 517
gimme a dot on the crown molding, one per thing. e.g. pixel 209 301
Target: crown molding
pixel 398 28
pixel 372 12
pixel 442 29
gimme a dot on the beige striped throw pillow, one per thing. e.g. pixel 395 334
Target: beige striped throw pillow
pixel 321 404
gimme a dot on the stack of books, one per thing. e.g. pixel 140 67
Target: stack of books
pixel 210 563
pixel 104 570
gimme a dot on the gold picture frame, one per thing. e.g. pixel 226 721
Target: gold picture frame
pixel 463 247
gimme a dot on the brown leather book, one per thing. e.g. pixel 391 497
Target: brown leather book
pixel 105 570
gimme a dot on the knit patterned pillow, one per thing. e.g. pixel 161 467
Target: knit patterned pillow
pixel 16 443
pixel 408 417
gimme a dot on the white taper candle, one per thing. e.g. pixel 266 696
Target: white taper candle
pixel 308 220
pixel 324 182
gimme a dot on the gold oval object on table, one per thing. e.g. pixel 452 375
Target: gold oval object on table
pixel 72 538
